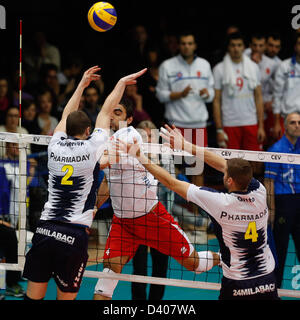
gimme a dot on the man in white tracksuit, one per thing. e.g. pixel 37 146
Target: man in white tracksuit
pixel 287 88
pixel 185 85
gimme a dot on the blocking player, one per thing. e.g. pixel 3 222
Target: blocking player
pixel 60 243
pixel 240 219
pixel 139 218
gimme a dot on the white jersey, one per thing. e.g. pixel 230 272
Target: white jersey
pixel 133 190
pixel 238 109
pixel 287 87
pixel 175 74
pixel 267 67
pixel 73 170
pixel 240 221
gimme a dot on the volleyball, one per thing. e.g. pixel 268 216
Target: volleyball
pixel 102 16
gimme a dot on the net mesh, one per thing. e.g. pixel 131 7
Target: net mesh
pixel 23 170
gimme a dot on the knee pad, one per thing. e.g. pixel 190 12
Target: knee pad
pixel 106 287
pixel 206 261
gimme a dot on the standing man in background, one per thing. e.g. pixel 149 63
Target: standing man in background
pixel 287 88
pixel 282 181
pixel 185 85
pixel 238 103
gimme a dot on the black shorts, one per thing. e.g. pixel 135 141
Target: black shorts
pixel 59 250
pixel 260 288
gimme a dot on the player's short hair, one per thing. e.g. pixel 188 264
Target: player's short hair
pixel 128 106
pixel 240 170
pixel 77 122
pixel 234 36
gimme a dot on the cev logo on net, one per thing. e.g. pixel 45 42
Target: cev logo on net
pixel 2 17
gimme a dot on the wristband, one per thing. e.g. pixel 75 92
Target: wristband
pixel 220 130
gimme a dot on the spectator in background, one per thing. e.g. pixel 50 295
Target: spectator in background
pixel 29 117
pixel 150 134
pixel 218 55
pixel 238 103
pixel 46 121
pixel 282 182
pixel 287 88
pixel 11 125
pixel 139 114
pixel 6 97
pixel 39 52
pixel 267 67
pixel 16 89
pixel 92 105
pixel 170 46
pixel 273 47
pixel 185 85
pixel 147 88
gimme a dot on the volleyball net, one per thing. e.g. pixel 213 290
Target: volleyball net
pixel 23 192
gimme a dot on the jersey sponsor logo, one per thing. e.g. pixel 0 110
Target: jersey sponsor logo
pixel 246 199
pixel 243 217
pixel 57 158
pixel 98 130
pixel 65 143
pixel 250 291
pixel 56 235
pixel 179 75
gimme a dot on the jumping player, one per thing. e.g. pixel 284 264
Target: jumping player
pixel 240 218
pixel 60 243
pixel 139 218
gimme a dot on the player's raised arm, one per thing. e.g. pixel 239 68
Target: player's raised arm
pixel 162 175
pixel 73 104
pixel 103 118
pixel 175 139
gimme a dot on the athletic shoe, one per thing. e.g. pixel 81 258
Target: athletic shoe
pixel 15 291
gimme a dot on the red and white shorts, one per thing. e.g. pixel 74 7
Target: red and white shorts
pixel 156 229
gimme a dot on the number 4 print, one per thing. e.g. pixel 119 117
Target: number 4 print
pixel 251 232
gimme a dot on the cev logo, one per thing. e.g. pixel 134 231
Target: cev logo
pixel 2 17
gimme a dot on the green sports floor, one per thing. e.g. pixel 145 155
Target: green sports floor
pixel 123 290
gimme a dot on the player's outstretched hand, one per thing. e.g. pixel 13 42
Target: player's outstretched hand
pixel 89 76
pixel 173 137
pixel 132 149
pixel 131 78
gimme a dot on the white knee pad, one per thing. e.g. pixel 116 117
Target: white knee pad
pixel 206 261
pixel 106 287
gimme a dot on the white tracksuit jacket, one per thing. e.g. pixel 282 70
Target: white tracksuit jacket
pixel 287 87
pixel 174 75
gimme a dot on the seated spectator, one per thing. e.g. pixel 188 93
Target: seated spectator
pixel 91 102
pixel 29 117
pixel 11 125
pixel 5 96
pixel 46 121
pixel 139 114
pixel 9 249
pixel 147 89
pixel 16 89
pixel 39 52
